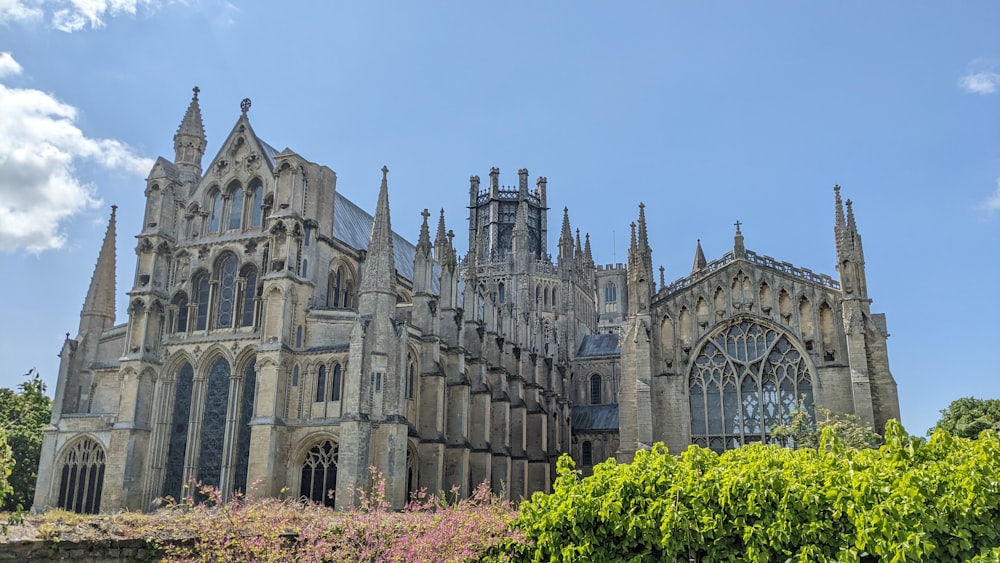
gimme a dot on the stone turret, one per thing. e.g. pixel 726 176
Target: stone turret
pixel 189 141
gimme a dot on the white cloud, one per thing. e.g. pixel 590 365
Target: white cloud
pixel 983 77
pixel 70 15
pixel 992 203
pixel 39 146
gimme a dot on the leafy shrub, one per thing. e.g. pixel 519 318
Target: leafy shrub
pixel 936 500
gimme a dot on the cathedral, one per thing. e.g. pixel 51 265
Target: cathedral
pixel 282 340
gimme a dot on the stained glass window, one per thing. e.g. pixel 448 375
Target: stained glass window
pixel 82 477
pixel 243 430
pixel 335 383
pixel 236 208
pixel 216 218
pixel 320 384
pixel 258 200
pixel 249 275
pixel 213 424
pixel 746 380
pixel 178 433
pixel 201 298
pixel 595 389
pixel 227 289
pixel 319 474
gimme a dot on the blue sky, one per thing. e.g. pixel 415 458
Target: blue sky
pixel 706 112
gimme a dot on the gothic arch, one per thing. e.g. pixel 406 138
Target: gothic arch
pixel 747 376
pixel 81 466
pixel 208 359
pixel 175 362
pixel 314 473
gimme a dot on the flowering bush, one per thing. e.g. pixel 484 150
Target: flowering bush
pixel 269 529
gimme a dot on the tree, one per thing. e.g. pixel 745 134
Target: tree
pixel 24 413
pixel 802 431
pixel 968 416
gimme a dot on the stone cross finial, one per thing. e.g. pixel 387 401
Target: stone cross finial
pixel 737 223
pixel 196 90
pixel 425 214
pixel 245 105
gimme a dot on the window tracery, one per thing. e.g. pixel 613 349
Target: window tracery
pixel 249 275
pixel 319 473
pixel 226 272
pixel 201 291
pixel 747 379
pixel 213 427
pixel 82 479
pixel 173 479
pixel 236 198
pixel 249 392
pixel 256 204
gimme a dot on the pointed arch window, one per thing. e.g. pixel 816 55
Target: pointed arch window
pixel 248 394
pixel 178 433
pixel 335 383
pixel 226 274
pixel 587 453
pixel 236 197
pixel 181 304
pixel 321 384
pixel 256 203
pixel 319 473
pixel 596 382
pixel 215 220
pixel 201 291
pixel 82 479
pixel 611 292
pixel 502 293
pixel 248 312
pixel 746 380
pixel 411 375
pixel 213 427
pixel 340 289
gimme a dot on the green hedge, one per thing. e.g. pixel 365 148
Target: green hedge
pixel 910 500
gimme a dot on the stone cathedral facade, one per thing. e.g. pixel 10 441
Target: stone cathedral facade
pixel 281 339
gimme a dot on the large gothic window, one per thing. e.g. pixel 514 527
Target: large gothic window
pixel 201 288
pixel 213 427
pixel 82 479
pixel 226 273
pixel 178 433
pixel 243 430
pixel 236 206
pixel 746 379
pixel 319 473
pixel 216 218
pixel 181 304
pixel 256 209
pixel 249 275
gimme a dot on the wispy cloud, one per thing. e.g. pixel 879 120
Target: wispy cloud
pixel 982 77
pixel 992 203
pixel 39 146
pixel 70 15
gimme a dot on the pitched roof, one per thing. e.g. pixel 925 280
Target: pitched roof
pixel 594 417
pixel 599 345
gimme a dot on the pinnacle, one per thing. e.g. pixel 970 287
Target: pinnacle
pixel 192 124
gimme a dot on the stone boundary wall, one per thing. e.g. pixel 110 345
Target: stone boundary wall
pixel 85 551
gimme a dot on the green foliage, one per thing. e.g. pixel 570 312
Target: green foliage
pixel 910 500
pixel 23 415
pixel 803 431
pixel 968 416
pixel 6 466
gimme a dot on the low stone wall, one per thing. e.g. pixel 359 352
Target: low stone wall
pixel 96 551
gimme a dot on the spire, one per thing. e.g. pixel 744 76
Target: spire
pixel 840 207
pixel 643 239
pixel 699 258
pixel 440 239
pixel 586 249
pixel 380 265
pixel 424 241
pixel 851 225
pixel 471 260
pixel 189 141
pixel 99 307
pixel 579 246
pixel 566 234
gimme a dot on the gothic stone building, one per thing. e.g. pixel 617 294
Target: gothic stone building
pixel 280 338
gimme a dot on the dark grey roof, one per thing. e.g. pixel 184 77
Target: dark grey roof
pixel 599 345
pixel 353 226
pixel 595 417
pixel 269 152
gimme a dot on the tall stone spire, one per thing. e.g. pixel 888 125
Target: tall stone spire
pixel 643 238
pixel 699 259
pixel 566 234
pixel 189 141
pixel 424 240
pixel 440 239
pixel 579 245
pixel 379 274
pixel 99 307
pixel 586 250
